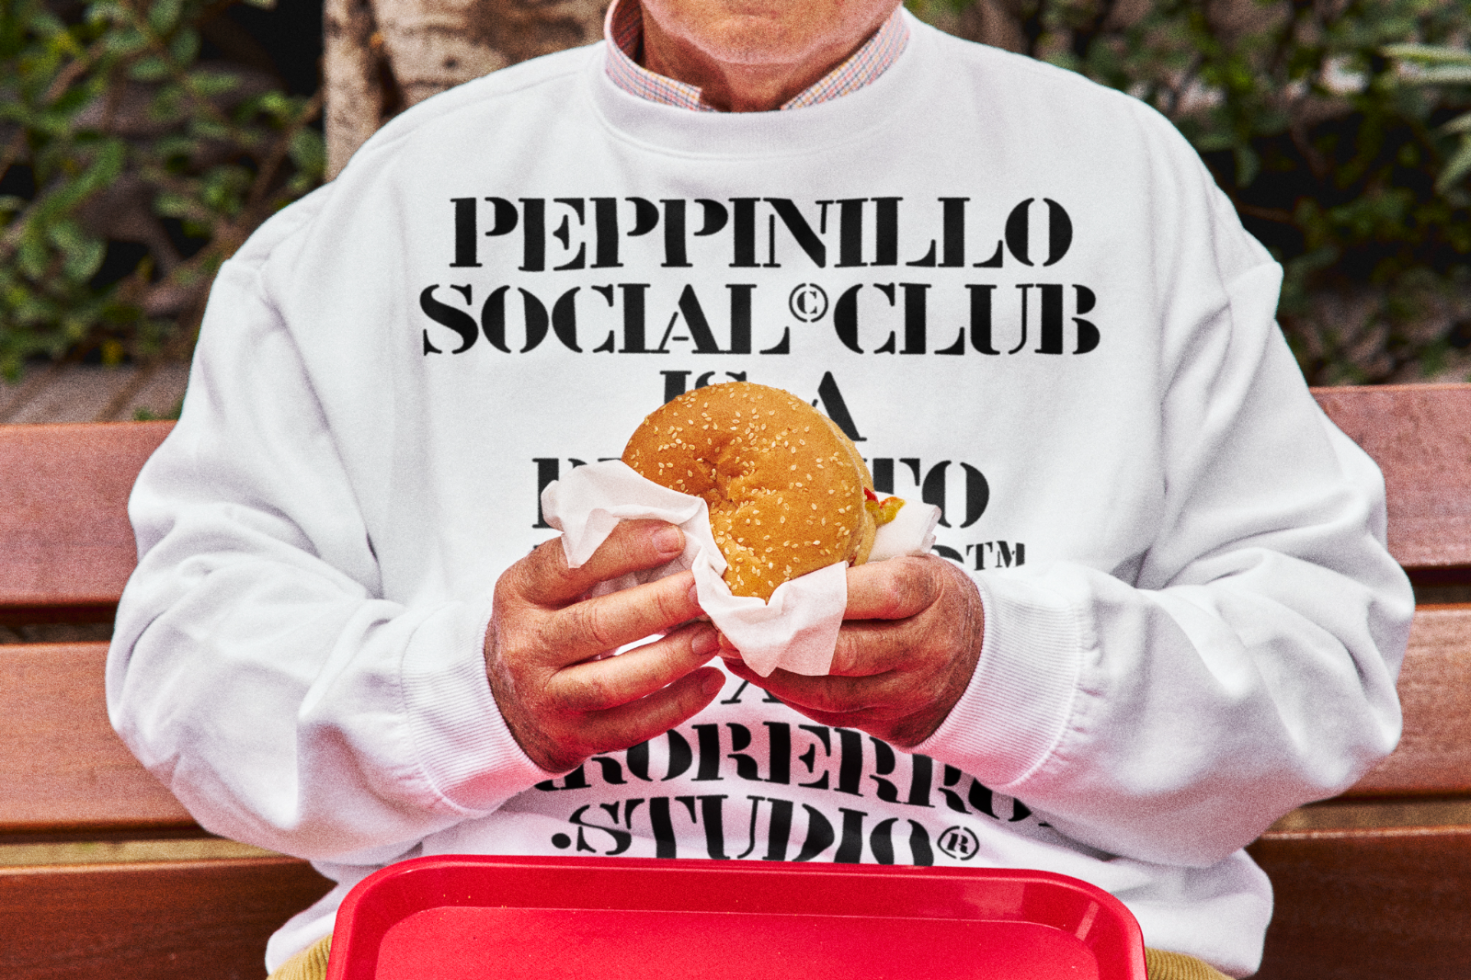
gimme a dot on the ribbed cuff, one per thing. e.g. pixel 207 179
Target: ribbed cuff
pixel 465 748
pixel 1018 701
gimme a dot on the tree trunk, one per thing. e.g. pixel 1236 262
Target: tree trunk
pixel 383 56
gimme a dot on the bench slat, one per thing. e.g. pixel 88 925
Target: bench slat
pixel 1420 435
pixel 66 541
pixel 64 532
pixel 1434 754
pixel 1391 904
pixel 170 920
pixel 61 766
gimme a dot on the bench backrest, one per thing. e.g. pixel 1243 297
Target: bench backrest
pixel 66 550
pixel 1421 437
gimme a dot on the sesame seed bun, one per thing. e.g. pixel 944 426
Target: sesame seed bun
pixel 785 486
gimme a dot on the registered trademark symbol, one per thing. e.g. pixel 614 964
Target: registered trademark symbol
pixel 808 302
pixel 959 843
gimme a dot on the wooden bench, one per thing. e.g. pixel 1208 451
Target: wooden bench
pixel 1375 884
pixel 66 550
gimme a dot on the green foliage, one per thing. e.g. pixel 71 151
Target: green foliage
pixel 1449 67
pixel 1339 129
pixel 129 169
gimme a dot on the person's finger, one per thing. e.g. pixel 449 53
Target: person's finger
pixel 598 625
pixel 603 684
pixel 633 546
pixel 866 648
pixel 880 705
pixel 638 721
pixel 893 589
pixel 837 695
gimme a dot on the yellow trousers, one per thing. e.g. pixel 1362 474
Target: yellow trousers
pixel 311 964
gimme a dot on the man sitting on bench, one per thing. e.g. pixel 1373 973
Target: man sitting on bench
pixel 1159 615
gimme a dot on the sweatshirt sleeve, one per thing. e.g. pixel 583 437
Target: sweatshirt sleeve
pixel 256 668
pixel 1246 663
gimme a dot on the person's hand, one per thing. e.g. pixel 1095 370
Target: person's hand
pixel 560 703
pixel 909 644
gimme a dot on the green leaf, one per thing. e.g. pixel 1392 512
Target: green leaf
pixel 1458 166
pixel 1248 165
pixel 212 81
pixel 208 129
pixel 277 104
pixel 175 146
pixel 106 166
pixel 1441 75
pixel 163 15
pixel 81 255
pixel 150 68
pixel 32 254
pixel 102 12
pixel 172 204
pixel 1428 54
pixel 309 152
pixel 223 189
pixel 169 103
pixel 185 46
pixel 125 41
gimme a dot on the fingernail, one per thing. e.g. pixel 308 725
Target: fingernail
pixel 695 594
pixel 704 642
pixel 669 540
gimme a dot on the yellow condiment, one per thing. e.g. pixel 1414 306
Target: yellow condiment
pixel 885 510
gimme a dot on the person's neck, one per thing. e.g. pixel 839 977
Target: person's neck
pixel 734 86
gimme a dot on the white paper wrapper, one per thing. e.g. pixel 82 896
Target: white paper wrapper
pixel 796 630
pixel 911 532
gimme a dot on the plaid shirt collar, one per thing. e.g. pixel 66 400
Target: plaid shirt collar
pixel 624 29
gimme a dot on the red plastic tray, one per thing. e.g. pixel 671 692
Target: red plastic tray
pixel 519 918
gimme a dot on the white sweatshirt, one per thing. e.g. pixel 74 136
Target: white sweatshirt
pixel 1024 297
